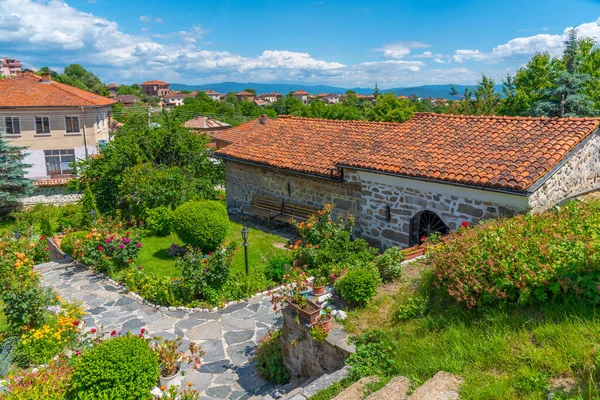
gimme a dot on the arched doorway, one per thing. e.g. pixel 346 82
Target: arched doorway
pixel 424 223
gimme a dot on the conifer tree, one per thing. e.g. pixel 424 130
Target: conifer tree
pixel 13 184
pixel 88 203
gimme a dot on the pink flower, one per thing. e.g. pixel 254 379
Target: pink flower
pixel 77 353
pixel 141 335
pixel 127 233
pixel 139 245
pixel 210 253
pixel 93 330
pixel 47 248
pixel 140 267
pixel 121 246
pixel 108 240
pixel 113 333
pixel 465 224
pixel 76 322
pixel 143 330
pixel 126 240
pixel 100 248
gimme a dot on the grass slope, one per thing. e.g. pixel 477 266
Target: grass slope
pixel 154 256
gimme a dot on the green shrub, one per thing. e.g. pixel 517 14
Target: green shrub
pixel 88 203
pixel 414 307
pixel 67 244
pixel 201 224
pixel 69 217
pixel 389 264
pixel 45 226
pixel 160 221
pixel 125 367
pixel 358 286
pixel 276 267
pixel 269 359
pixel 25 305
pixel 239 286
pixel 524 260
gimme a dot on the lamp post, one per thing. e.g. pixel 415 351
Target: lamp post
pixel 92 215
pixel 18 235
pixel 245 232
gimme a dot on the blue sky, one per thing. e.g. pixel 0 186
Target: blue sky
pixel 343 43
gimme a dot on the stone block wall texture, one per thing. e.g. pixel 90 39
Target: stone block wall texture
pixel 244 180
pixel 302 355
pixel 580 174
pixel 56 195
pixel 405 202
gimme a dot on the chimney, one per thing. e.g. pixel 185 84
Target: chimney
pixel 262 119
pixel 46 78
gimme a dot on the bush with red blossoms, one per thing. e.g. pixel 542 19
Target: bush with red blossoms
pixel 107 250
pixel 523 260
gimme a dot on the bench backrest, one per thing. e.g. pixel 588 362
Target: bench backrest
pixel 267 202
pixel 299 210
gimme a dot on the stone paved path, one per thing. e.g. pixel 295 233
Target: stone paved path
pixel 228 336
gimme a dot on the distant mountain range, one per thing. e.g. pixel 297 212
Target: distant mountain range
pixel 442 91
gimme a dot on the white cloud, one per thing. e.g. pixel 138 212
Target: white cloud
pixel 400 49
pixel 147 19
pixel 524 47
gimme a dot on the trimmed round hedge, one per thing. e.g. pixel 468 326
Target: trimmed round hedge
pixel 201 224
pixel 67 244
pixel 358 286
pixel 121 368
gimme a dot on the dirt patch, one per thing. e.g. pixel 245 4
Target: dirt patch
pixel 278 245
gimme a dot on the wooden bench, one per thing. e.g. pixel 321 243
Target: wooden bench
pixel 264 206
pixel 296 212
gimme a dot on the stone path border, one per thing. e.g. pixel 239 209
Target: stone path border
pixel 228 336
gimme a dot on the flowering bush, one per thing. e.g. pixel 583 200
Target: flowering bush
pixel 50 382
pixel 158 290
pixel 389 264
pixel 525 259
pixel 326 242
pixel 107 251
pixel 71 240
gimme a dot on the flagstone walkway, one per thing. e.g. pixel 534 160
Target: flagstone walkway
pixel 228 336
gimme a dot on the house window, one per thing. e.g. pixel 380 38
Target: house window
pixel 100 117
pixel 42 125
pixel 13 125
pixel 72 124
pixel 58 162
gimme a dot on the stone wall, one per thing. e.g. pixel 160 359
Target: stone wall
pixel 56 195
pixel 303 356
pixel 580 174
pixel 244 180
pixel 407 197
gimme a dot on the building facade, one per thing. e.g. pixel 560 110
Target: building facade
pixel 56 123
pixel 10 67
pixel 156 88
pixel 430 174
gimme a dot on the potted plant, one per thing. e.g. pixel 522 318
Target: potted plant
pixel 336 273
pixel 170 359
pixel 318 286
pixel 326 320
pixel 413 252
pixel 306 309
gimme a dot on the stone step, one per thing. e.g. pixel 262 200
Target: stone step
pixel 396 389
pixel 356 390
pixel 314 385
pixel 442 386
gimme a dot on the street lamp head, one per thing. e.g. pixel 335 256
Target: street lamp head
pixel 18 235
pixel 245 232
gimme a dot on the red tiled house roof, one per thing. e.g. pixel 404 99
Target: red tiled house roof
pixel 301 92
pixel 148 83
pixel 237 133
pixel 204 123
pixel 28 90
pixel 508 153
pixel 244 93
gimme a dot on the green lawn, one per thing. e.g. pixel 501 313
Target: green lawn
pixel 2 319
pixel 154 256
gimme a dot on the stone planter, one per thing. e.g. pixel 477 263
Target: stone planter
pixel 310 314
pixel 413 252
pixel 168 381
pixel 318 290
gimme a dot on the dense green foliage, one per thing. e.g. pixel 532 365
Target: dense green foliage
pixel 389 264
pixel 160 221
pixel 269 359
pixel 358 286
pixel 170 152
pixel 277 267
pixel 13 184
pixel 88 208
pixel 76 75
pixel 201 224
pixel 523 260
pixel 126 367
pixel 68 243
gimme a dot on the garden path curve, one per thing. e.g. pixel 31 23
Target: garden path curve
pixel 228 336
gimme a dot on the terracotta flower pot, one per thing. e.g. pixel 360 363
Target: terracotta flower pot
pixel 413 252
pixel 318 290
pixel 168 381
pixel 333 278
pixel 326 323
pixel 309 314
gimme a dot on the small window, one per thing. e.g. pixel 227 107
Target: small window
pixel 42 125
pixel 58 162
pixel 13 125
pixel 100 117
pixel 72 124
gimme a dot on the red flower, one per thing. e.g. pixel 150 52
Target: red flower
pixel 210 253
pixel 205 261
pixel 465 224
pixel 100 248
pixel 140 335
pixel 42 237
pixel 139 245
pixel 139 267
pixel 47 248
pixel 423 238
pixel 113 333
pixel 143 331
pixel 127 233
pixel 77 353
pixel 76 322
pixel 93 330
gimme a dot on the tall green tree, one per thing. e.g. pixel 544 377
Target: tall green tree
pixel 482 100
pixel 568 94
pixel 13 184
pixel 389 108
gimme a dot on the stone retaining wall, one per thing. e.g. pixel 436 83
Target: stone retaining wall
pixel 580 174
pixel 304 356
pixel 55 195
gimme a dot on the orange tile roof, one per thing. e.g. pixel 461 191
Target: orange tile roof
pixel 28 90
pixel 52 182
pixel 485 151
pixel 244 93
pixel 236 133
pixel 301 92
pixel 148 83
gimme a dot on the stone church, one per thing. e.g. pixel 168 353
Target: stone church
pixel 405 180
